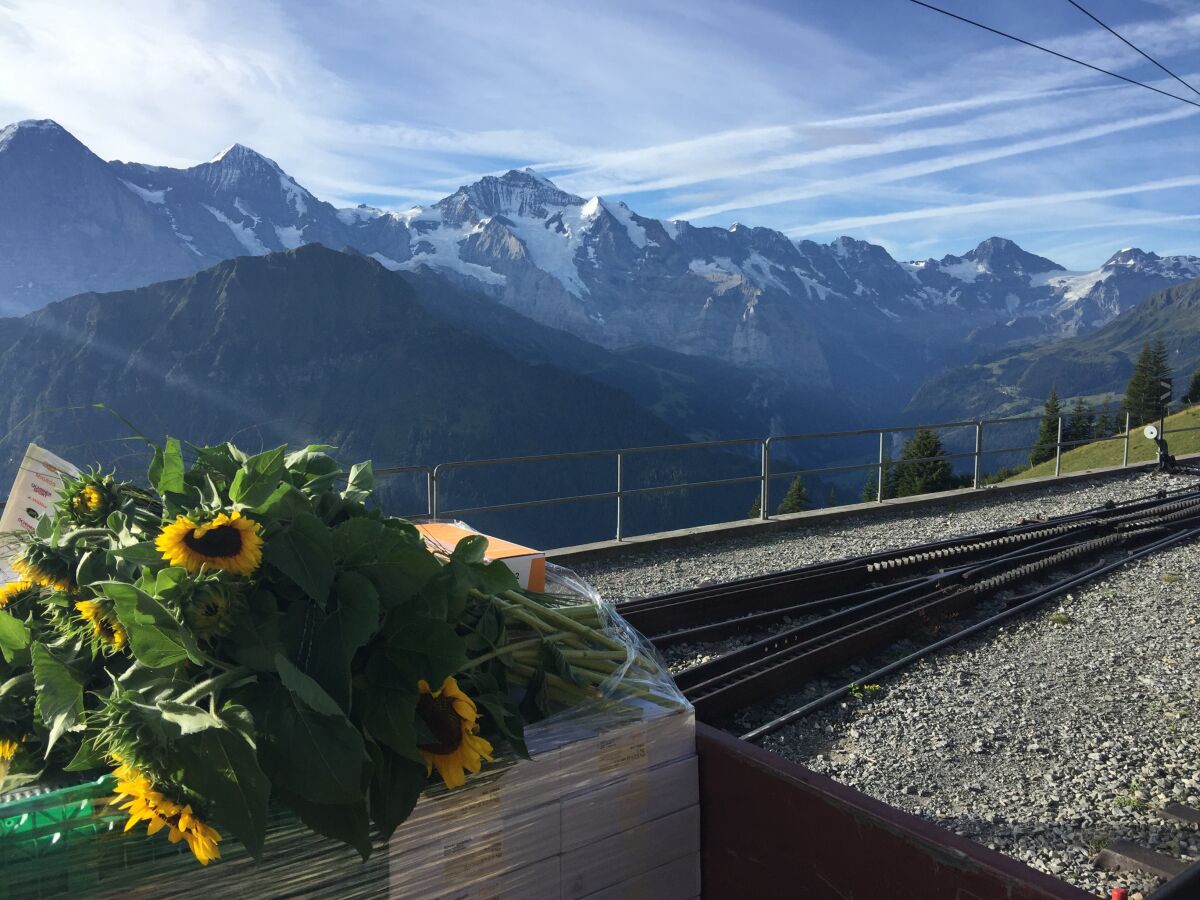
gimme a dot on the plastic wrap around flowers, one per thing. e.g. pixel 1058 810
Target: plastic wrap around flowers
pixel 249 630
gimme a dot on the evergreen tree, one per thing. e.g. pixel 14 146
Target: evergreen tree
pixel 1081 424
pixel 832 499
pixel 932 473
pixel 1193 391
pixel 756 509
pixel 1144 391
pixel 1047 437
pixel 1105 424
pixel 870 491
pixel 796 499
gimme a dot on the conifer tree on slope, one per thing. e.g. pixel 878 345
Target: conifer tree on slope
pixel 796 499
pixel 1047 437
pixel 1082 424
pixel 1143 392
pixel 1193 391
pixel 931 474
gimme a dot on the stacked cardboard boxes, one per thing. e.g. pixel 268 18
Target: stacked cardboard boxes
pixel 607 808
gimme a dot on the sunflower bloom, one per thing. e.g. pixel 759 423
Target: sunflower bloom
pixel 208 613
pixel 229 542
pixel 104 624
pixel 8 749
pixel 89 499
pixel 453 719
pixel 13 590
pixel 39 574
pixel 145 804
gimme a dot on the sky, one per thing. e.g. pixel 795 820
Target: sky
pixel 873 118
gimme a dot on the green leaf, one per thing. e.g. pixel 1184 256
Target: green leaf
pixel 397 565
pixel 221 765
pixel 170 581
pixel 254 635
pixel 430 646
pixel 390 717
pixel 257 478
pixel 305 688
pixel 358 610
pixel 14 635
pixel 345 822
pixel 304 552
pixel 470 549
pixel 155 636
pixel 145 553
pixel 59 695
pixel 318 756
pixel 87 758
pixel 169 478
pixel 396 786
pixel 285 502
pixel 361 482
pixel 555 663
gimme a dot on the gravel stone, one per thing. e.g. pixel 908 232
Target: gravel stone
pixel 1045 738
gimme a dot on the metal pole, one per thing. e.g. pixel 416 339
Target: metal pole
pixel 429 492
pixel 765 499
pixel 620 489
pixel 433 492
pixel 1125 457
pixel 879 472
pixel 979 454
pixel 1058 450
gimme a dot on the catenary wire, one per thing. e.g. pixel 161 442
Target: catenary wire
pixel 1133 46
pixel 1044 49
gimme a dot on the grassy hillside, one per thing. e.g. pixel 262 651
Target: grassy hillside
pixel 1108 453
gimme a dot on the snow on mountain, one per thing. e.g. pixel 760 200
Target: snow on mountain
pixel 833 314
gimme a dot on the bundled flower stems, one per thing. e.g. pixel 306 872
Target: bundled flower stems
pixel 249 630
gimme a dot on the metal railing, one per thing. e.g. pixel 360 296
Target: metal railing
pixel 434 475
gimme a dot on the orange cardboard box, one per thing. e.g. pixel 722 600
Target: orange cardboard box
pixel 527 564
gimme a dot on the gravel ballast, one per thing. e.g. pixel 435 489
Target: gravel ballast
pixel 1045 738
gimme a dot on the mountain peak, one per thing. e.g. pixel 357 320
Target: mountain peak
pixel 1130 256
pixel 515 193
pixel 39 130
pixel 1002 256
pixel 241 156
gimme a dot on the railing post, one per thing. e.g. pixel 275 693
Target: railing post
pixel 433 492
pixel 1058 450
pixel 1125 456
pixel 620 489
pixel 764 502
pixel 879 472
pixel 979 454
pixel 429 492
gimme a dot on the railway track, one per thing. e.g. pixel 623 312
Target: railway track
pixel 853 609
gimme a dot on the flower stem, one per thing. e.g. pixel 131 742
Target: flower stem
pixel 213 684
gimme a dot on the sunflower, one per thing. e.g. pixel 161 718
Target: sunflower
pixel 144 803
pixel 8 749
pixel 208 611
pixel 104 624
pixel 450 715
pixel 88 500
pixel 229 542
pixel 14 590
pixel 49 572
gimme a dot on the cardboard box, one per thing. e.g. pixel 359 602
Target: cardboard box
pixel 590 815
pixel 622 857
pixel 540 881
pixel 478 850
pixel 527 564
pixel 677 880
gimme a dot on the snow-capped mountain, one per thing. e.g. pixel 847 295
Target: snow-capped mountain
pixel 843 316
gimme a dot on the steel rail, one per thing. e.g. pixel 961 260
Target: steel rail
pixel 740 677
pixel 1013 608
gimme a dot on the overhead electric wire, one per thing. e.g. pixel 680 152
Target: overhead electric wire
pixel 1013 37
pixel 1133 46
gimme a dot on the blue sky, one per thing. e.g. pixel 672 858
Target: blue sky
pixel 874 118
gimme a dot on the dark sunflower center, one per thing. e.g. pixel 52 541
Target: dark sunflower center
pixel 224 540
pixel 439 716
